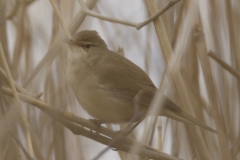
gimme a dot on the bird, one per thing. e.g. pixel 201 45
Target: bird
pixel 106 83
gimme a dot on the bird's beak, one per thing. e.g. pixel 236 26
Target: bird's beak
pixel 69 42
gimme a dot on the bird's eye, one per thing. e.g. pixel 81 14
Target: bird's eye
pixel 88 46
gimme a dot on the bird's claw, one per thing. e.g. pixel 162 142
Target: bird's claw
pixel 98 123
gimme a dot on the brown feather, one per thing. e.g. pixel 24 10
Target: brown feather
pixel 106 83
pixel 124 82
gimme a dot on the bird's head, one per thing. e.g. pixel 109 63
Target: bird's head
pixel 85 46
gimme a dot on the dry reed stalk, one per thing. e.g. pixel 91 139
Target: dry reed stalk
pixel 3 33
pixel 66 119
pixel 124 22
pixel 67 34
pixel 188 63
pixel 213 98
pixel 55 48
pixel 167 50
pixel 18 103
pixel 225 65
pixel 19 39
pixel 220 21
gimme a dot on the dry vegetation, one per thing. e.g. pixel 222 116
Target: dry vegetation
pixel 197 40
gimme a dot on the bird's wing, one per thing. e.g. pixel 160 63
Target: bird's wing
pixel 124 82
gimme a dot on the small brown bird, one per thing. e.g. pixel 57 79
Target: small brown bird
pixel 106 83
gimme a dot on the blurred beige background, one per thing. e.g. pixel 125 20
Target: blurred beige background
pixel 31 31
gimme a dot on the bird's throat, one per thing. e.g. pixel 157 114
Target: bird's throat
pixel 76 55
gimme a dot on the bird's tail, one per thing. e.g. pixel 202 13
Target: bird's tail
pixel 186 118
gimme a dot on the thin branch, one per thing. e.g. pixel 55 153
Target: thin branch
pixel 212 95
pixel 124 147
pixel 127 130
pixel 18 87
pixel 18 102
pixel 127 23
pixel 21 146
pixel 54 49
pixel 105 135
pixel 19 41
pixel 234 72
pixel 12 12
pixel 64 114
pixel 173 63
pixel 60 19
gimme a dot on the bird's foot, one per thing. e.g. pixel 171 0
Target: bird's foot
pixel 122 134
pixel 119 140
pixel 98 123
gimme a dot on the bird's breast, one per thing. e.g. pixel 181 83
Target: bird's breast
pixel 96 100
